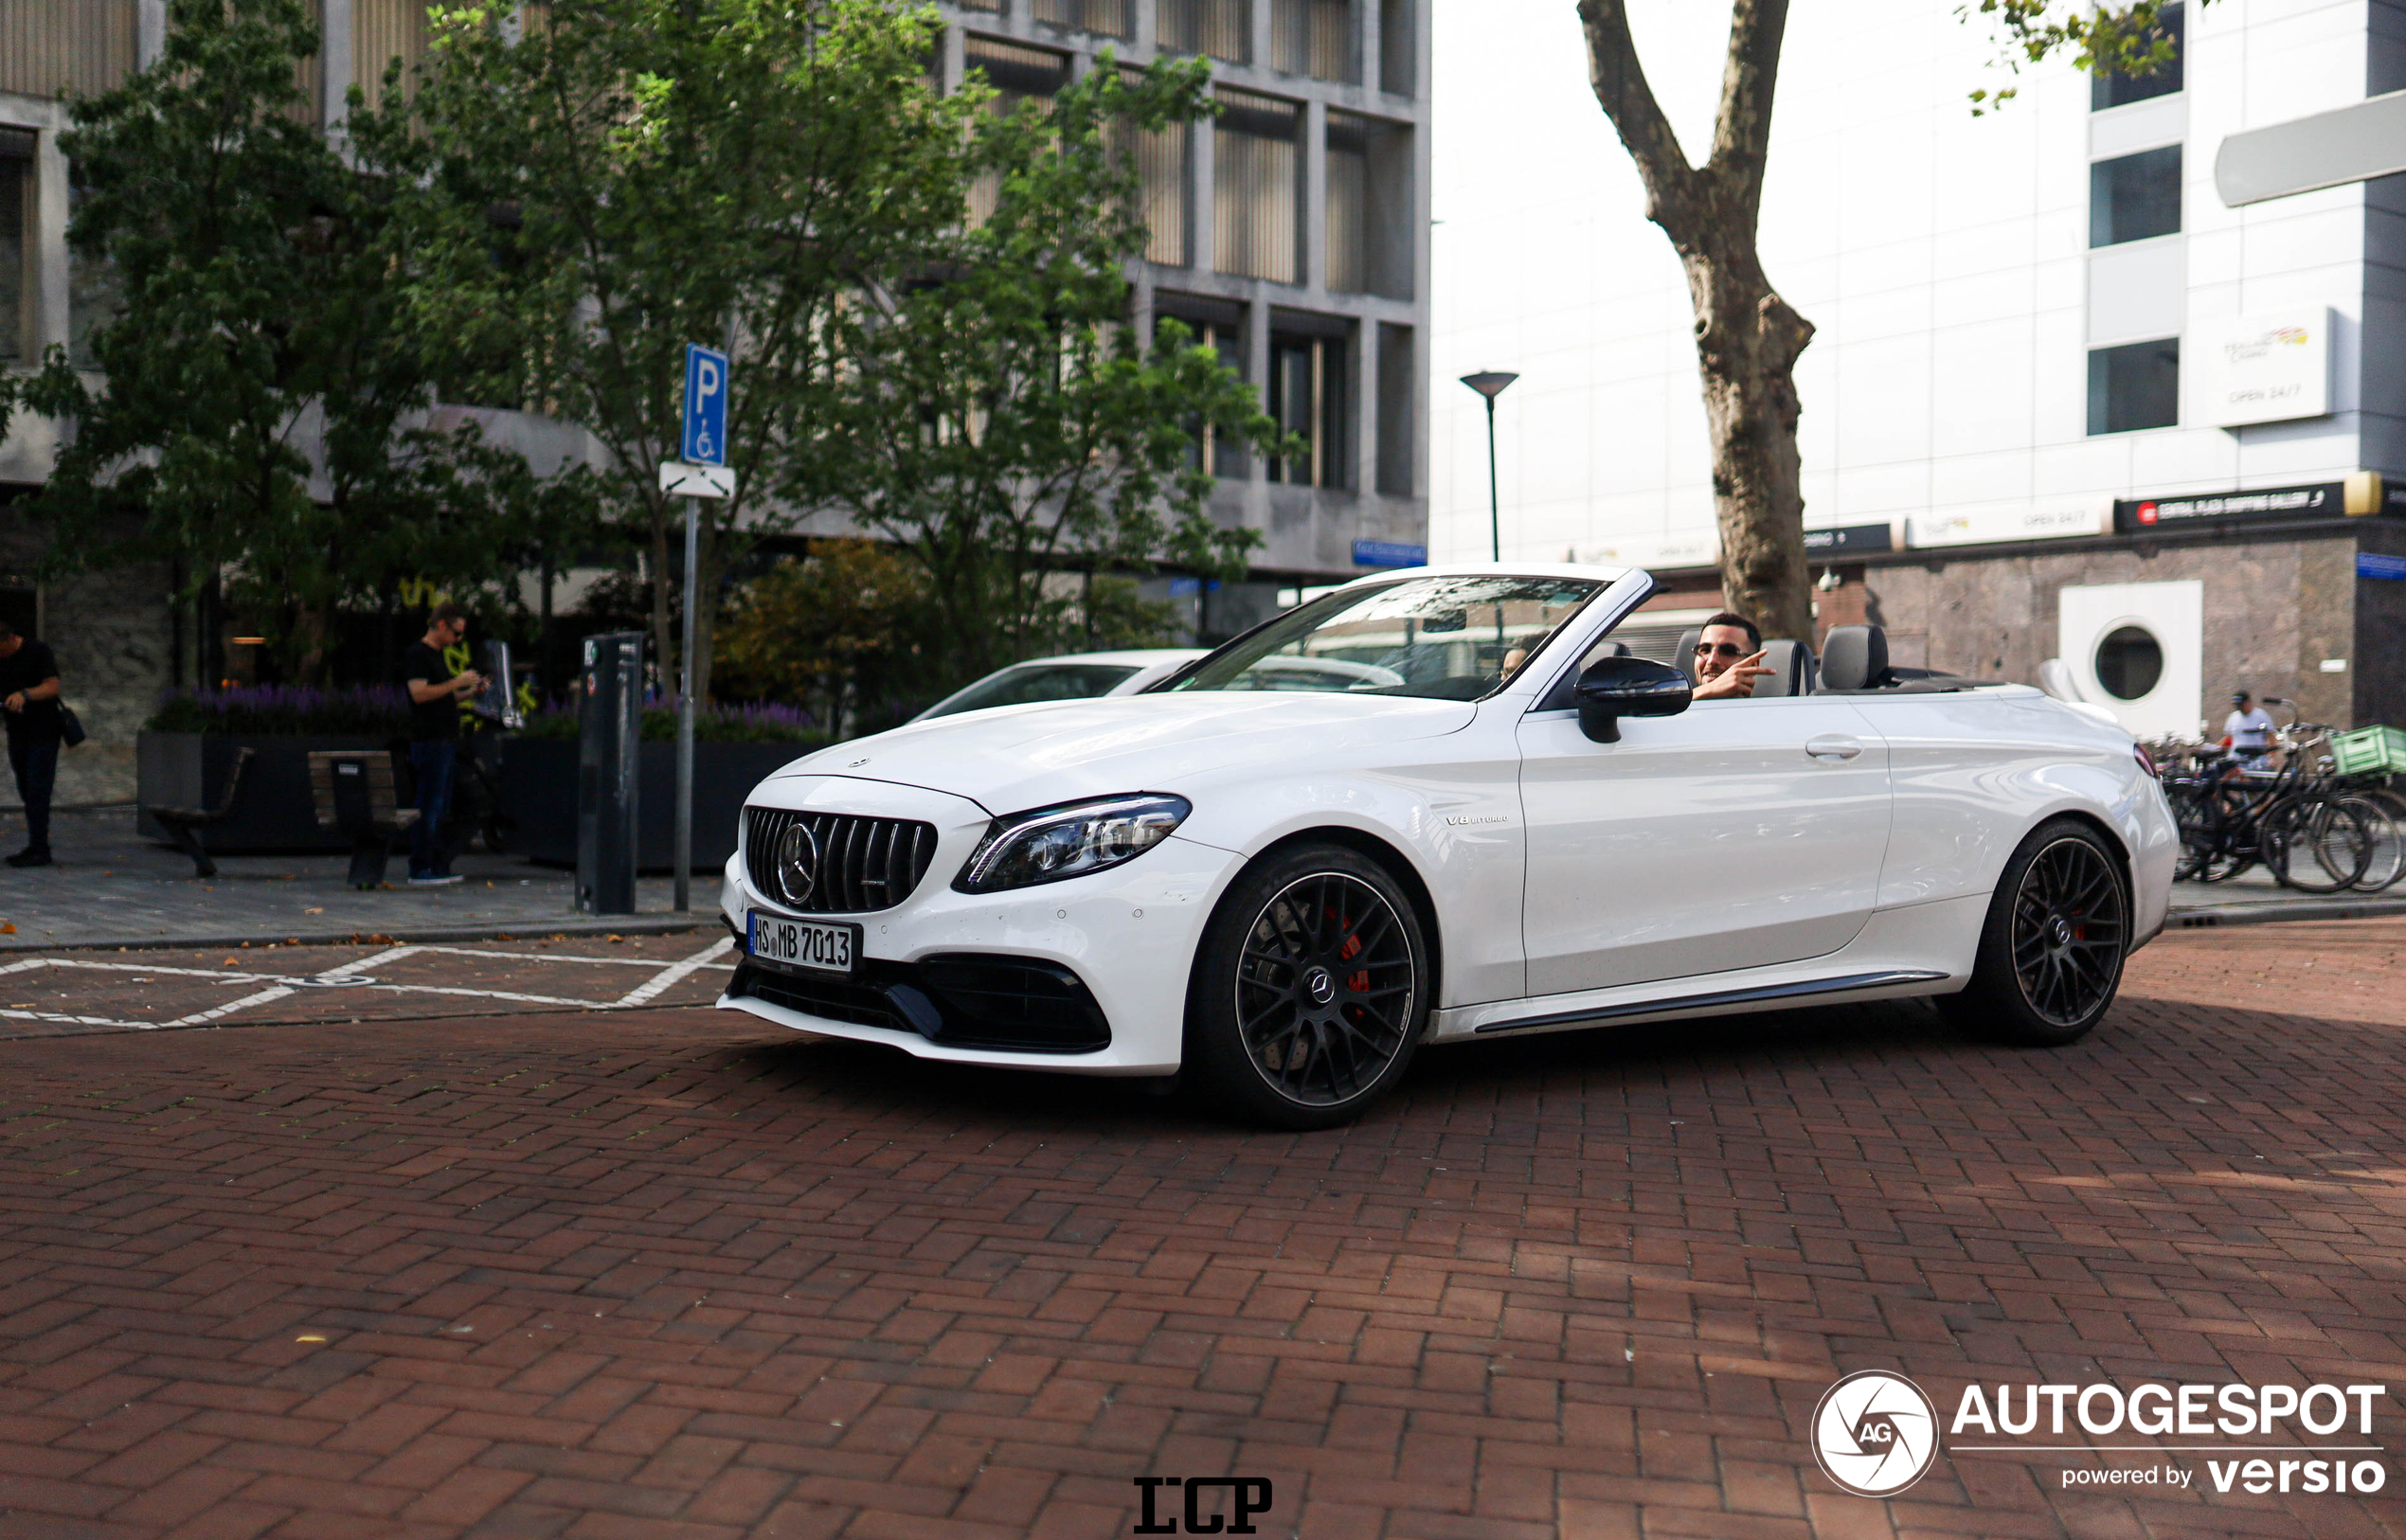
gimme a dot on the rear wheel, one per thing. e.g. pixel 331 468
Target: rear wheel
pixel 2051 952
pixel 1310 991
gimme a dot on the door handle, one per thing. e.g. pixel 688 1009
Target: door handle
pixel 1833 745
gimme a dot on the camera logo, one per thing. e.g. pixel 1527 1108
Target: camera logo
pixel 1875 1433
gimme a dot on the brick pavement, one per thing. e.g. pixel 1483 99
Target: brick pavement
pixel 665 1274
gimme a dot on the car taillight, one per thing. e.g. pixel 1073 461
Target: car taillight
pixel 2146 760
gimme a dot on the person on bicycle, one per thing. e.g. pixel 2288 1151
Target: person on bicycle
pixel 2248 730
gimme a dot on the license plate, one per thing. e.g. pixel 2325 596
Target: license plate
pixel 808 944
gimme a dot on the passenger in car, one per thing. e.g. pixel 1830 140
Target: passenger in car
pixel 1729 658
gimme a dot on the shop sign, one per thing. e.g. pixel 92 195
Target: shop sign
pixel 2273 367
pixel 2321 500
pixel 1389 553
pixel 1849 540
pixel 1991 526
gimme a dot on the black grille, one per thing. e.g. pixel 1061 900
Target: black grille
pixel 960 999
pixel 863 864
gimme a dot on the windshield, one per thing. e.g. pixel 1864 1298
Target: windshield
pixel 1036 682
pixel 1450 638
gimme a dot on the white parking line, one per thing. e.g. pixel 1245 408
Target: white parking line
pixel 666 976
pixel 669 976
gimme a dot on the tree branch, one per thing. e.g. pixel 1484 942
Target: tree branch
pixel 1742 133
pixel 1672 184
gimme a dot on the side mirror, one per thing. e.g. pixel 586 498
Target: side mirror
pixel 1613 688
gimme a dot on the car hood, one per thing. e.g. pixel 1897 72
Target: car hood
pixel 1016 757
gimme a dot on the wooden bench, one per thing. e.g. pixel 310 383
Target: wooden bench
pixel 353 791
pixel 183 824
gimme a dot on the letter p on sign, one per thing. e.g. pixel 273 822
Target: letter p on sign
pixel 705 405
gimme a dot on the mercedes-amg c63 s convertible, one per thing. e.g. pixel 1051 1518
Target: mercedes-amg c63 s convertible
pixel 1438 806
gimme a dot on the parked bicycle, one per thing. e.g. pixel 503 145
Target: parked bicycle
pixel 2315 829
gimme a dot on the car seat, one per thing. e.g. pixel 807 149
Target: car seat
pixel 1854 658
pixel 1791 666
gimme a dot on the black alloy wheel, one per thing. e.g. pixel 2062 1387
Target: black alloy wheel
pixel 1311 989
pixel 2052 949
pixel 2070 931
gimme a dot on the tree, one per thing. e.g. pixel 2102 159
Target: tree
pixel 837 631
pixel 256 317
pixel 1014 426
pixel 617 178
pixel 1747 339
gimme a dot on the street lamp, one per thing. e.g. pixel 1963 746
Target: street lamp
pixel 1490 384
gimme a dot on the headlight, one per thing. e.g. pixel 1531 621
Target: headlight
pixel 1051 844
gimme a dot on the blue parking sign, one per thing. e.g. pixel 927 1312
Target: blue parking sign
pixel 705 405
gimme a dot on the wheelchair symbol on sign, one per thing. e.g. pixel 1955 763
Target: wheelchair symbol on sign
pixel 705 405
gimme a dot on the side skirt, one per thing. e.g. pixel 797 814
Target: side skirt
pixel 1720 999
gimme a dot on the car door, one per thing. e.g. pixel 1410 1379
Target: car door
pixel 1736 834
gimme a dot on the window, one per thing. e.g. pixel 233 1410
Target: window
pixel 383 31
pixel 52 47
pixel 2109 90
pixel 1452 639
pixel 1398 403
pixel 18 280
pixel 1257 185
pixel 95 298
pixel 1398 50
pixel 1222 28
pixel 1160 156
pixel 1219 326
pixel 1368 189
pixel 2129 661
pixel 1308 399
pixel 1108 17
pixel 1314 38
pixel 2134 197
pixel 2136 385
pixel 1017 75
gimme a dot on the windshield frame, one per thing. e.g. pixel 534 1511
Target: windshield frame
pixel 1353 593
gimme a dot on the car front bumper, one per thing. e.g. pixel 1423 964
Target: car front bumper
pixel 1126 938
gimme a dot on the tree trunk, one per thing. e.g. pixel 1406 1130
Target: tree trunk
pixel 1746 344
pixel 1747 338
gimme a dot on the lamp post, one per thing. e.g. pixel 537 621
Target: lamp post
pixel 1490 384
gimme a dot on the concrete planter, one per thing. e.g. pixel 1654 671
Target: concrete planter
pixel 189 769
pixel 539 785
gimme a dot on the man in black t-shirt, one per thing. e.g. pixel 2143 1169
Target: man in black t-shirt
pixel 30 703
pixel 434 737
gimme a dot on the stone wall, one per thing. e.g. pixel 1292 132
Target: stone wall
pixel 2276 605
pixel 111 631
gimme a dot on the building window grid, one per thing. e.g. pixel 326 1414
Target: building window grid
pixel 1018 74
pixel 1307 400
pixel 1348 211
pixel 1221 29
pixel 18 247
pixel 1257 187
pixel 2134 197
pixel 2106 89
pixel 1314 38
pixel 1105 18
pixel 2135 386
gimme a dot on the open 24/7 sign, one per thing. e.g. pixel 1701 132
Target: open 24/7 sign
pixel 705 405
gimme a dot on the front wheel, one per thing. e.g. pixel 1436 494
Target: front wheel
pixel 1310 991
pixel 2051 952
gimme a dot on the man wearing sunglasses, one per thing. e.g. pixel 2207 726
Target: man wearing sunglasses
pixel 1729 658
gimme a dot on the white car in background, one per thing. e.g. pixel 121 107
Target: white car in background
pixel 1501 824
pixel 1076 677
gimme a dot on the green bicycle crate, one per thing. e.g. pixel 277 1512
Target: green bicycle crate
pixel 2369 750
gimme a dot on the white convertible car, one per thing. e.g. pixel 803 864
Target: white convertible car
pixel 1499 824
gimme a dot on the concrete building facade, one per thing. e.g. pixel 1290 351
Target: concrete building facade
pixel 1291 232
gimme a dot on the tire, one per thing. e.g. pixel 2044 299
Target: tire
pixel 2052 949
pixel 2317 844
pixel 1310 991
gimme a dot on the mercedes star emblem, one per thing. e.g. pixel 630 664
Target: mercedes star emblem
pixel 798 863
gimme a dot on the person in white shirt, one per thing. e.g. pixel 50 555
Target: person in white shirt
pixel 2249 728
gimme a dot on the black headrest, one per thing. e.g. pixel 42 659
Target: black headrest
pixel 1791 668
pixel 1854 658
pixel 1619 649
pixel 1685 657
